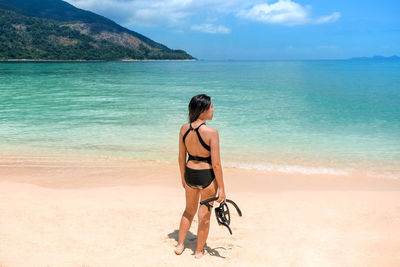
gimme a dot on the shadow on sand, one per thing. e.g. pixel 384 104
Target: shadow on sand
pixel 191 243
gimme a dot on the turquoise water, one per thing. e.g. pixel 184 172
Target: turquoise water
pixel 295 116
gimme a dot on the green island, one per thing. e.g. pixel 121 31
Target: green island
pixel 47 30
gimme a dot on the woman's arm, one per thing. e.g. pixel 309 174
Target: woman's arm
pixel 182 157
pixel 216 165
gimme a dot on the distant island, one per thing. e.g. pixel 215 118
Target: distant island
pixel 47 30
pixel 394 57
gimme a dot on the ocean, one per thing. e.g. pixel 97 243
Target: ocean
pixel 312 117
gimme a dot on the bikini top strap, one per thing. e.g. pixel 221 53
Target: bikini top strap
pixel 184 136
pixel 198 126
pixel 201 139
pixel 198 158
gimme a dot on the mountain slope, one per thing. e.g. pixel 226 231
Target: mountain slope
pixel 54 29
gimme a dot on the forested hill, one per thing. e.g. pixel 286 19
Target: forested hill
pixel 56 30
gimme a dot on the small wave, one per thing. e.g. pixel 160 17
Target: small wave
pixel 291 168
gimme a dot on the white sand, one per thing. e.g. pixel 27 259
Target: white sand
pixel 115 212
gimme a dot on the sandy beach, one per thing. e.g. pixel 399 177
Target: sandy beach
pixel 98 211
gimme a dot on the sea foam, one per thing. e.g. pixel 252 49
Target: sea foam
pixel 290 168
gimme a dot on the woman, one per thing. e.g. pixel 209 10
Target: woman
pixel 202 175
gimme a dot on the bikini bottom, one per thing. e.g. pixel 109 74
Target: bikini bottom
pixel 199 178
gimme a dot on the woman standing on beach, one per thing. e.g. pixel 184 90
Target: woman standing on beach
pixel 202 174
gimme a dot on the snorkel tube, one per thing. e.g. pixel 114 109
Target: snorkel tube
pixel 222 212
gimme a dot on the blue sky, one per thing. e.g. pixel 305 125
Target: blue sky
pixel 261 29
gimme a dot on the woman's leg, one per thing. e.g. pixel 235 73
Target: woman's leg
pixel 204 217
pixel 192 200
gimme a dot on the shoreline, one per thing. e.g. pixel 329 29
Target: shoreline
pixel 24 166
pixel 87 61
pixel 386 59
pixel 266 167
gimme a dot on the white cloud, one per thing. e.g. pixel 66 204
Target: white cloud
pixel 284 12
pixel 180 13
pixel 331 18
pixel 158 12
pixel 140 12
pixel 210 28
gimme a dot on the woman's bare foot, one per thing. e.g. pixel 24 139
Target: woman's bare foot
pixel 199 255
pixel 179 249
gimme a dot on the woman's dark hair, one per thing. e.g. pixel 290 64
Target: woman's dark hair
pixel 197 105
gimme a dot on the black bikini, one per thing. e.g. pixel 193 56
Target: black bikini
pixel 198 178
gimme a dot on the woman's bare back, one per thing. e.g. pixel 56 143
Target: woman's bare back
pixel 194 146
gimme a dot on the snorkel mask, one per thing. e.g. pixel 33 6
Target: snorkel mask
pixel 222 212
